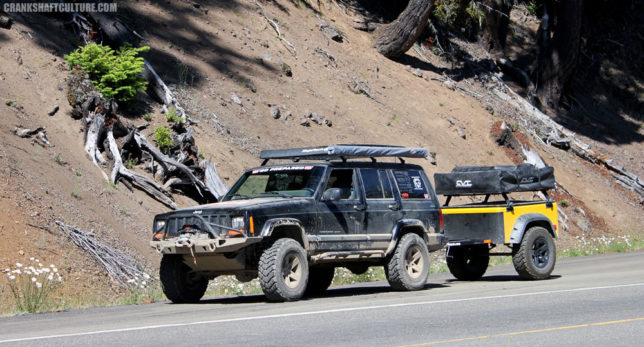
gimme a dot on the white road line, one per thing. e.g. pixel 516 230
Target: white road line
pixel 309 313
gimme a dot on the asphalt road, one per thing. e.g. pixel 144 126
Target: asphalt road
pixel 593 301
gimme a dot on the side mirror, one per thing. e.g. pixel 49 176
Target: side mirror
pixel 332 194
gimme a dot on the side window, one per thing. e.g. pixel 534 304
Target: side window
pixel 343 179
pixel 386 184
pixel 410 184
pixel 371 182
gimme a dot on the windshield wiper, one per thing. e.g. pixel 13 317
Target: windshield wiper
pixel 243 196
pixel 284 195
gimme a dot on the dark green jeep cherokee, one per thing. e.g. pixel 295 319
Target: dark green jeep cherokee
pixel 291 224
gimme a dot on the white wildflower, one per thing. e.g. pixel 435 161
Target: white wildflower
pixel 37 261
pixel 50 277
pixel 143 284
pixel 130 281
pixel 38 285
pixel 54 270
pixel 146 276
pixel 18 265
pixel 16 271
pixel 52 266
pixel 12 277
pixel 45 270
pixel 7 270
pixel 32 258
pixel 33 279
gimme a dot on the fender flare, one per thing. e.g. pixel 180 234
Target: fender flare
pixel 272 224
pixel 395 234
pixel 523 221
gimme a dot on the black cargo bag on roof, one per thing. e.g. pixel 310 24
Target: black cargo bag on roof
pixel 472 180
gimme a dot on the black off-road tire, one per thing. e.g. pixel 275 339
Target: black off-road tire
pixel 179 283
pixel 283 271
pixel 468 263
pixel 408 267
pixel 320 278
pixel 534 258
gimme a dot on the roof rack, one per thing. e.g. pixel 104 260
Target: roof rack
pixel 343 152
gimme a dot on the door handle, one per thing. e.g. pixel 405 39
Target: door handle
pixel 394 207
pixel 359 207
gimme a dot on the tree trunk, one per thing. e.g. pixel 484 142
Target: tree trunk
pixel 495 28
pixel 394 39
pixel 558 55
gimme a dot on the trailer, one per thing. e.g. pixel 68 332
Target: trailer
pixel 473 230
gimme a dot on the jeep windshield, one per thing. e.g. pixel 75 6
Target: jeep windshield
pixel 278 181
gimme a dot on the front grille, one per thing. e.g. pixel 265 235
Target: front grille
pixel 175 224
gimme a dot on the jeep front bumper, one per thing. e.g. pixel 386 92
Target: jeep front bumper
pixel 189 245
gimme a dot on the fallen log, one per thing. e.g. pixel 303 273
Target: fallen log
pixel 40 135
pixel 562 138
pixel 214 183
pixel 145 183
pixel 95 125
pixel 162 158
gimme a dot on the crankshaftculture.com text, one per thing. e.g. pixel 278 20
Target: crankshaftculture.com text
pixel 58 7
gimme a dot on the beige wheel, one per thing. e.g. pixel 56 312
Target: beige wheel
pixel 414 262
pixel 292 271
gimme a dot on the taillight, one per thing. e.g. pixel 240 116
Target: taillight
pixel 440 216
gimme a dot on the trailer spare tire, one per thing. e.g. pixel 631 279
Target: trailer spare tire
pixel 534 258
pixel 179 283
pixel 468 263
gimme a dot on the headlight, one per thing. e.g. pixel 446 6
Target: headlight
pixel 159 228
pixel 237 223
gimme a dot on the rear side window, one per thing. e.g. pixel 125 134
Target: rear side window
pixel 410 184
pixel 372 185
pixel 376 184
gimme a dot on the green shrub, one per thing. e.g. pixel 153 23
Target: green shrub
pixel 147 116
pixel 116 74
pixel 458 15
pixel 163 138
pixel 171 116
pixel 563 203
pixel 10 102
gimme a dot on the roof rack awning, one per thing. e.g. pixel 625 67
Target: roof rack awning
pixel 344 152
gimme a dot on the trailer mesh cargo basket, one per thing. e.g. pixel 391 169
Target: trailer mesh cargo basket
pixel 475 180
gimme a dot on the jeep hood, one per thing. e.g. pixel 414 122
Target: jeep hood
pixel 245 204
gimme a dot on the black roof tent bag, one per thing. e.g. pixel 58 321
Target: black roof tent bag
pixel 474 180
pixel 344 151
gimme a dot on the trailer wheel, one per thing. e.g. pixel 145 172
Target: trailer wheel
pixel 179 283
pixel 408 267
pixel 320 278
pixel 534 258
pixel 468 263
pixel 283 271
